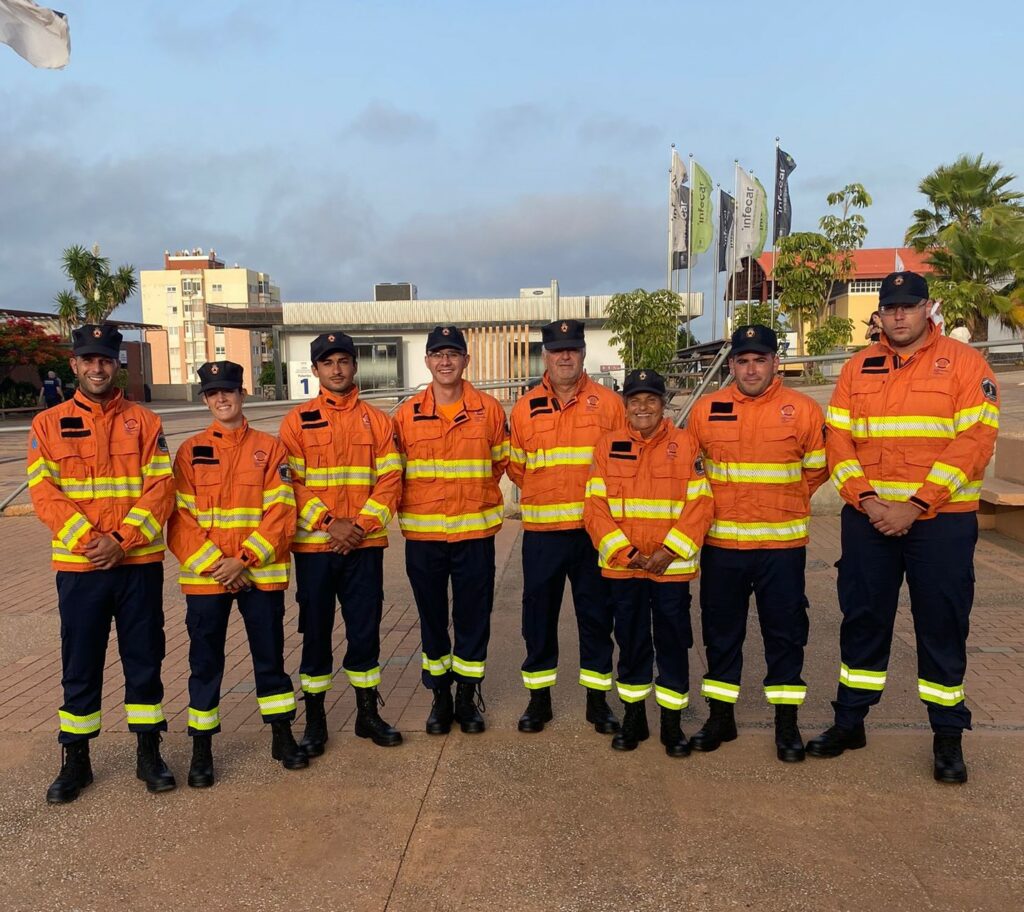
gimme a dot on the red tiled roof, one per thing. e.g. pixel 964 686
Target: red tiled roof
pixel 875 263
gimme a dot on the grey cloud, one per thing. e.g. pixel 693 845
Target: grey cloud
pixel 383 122
pixel 201 39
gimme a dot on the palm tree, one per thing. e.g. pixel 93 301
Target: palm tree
pixel 100 292
pixel 973 232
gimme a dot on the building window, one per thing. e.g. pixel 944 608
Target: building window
pixel 218 329
pixel 172 289
pixel 217 288
pixel 220 351
pixel 174 309
pixel 172 331
pixel 865 286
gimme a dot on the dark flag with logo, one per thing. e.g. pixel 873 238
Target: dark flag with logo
pixel 784 166
pixel 726 216
pixel 681 228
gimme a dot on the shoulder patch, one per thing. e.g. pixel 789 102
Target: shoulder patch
pixel 698 466
pixel 989 388
pixel 161 443
pixel 285 472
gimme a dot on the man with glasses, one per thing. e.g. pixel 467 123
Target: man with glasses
pixel 454 445
pixel 911 426
pixel 554 429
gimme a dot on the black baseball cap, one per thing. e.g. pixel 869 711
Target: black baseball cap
pixel 220 375
pixel 326 343
pixel 754 338
pixel 903 288
pixel 643 381
pixel 94 339
pixel 446 337
pixel 563 334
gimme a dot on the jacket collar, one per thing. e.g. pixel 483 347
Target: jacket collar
pixel 770 393
pixel 342 403
pixel 580 386
pixel 934 334
pixel 658 434
pixel 111 406
pixel 471 401
pixel 228 436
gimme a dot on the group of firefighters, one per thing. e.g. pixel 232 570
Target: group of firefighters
pixel 615 498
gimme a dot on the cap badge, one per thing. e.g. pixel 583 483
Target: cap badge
pixel 564 327
pixel 643 375
pixel 751 332
pixel 214 369
pixel 446 331
pixel 898 280
pixel 97 333
pixel 330 338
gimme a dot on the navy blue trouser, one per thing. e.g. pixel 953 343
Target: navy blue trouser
pixel 356 581
pixel 641 606
pixel 469 565
pixel 937 558
pixel 548 558
pixel 132 597
pixel 206 618
pixel 775 576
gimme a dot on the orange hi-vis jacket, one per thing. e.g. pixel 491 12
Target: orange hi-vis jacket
pixel 764 457
pixel 344 464
pixel 234 499
pixel 452 468
pixel 552 446
pixel 645 494
pixel 100 470
pixel 920 429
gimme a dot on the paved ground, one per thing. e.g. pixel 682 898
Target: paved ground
pixel 504 820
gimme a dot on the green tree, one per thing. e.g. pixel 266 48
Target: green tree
pixel 974 234
pixel 761 313
pixel 23 342
pixel 98 291
pixel 644 326
pixel 833 332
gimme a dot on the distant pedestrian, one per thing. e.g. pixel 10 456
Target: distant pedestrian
pixel 960 332
pixel 874 331
pixel 52 392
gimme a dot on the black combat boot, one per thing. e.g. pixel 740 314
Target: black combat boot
pixel 634 727
pixel 538 711
pixel 467 709
pixel 600 713
pixel 442 711
pixel 789 746
pixel 284 748
pixel 75 773
pixel 949 758
pixel 314 738
pixel 672 735
pixel 200 773
pixel 720 726
pixel 835 740
pixel 150 766
pixel 369 724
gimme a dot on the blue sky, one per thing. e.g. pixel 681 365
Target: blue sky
pixel 474 147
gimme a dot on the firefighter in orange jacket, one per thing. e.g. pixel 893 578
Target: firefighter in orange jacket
pixel 348 477
pixel 764 456
pixel 911 426
pixel 100 477
pixel 454 445
pixel 554 429
pixel 647 508
pixel 233 524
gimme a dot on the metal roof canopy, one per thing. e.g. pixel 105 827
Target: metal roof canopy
pixel 50 317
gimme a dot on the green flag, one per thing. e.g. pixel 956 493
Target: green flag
pixel 701 209
pixel 762 218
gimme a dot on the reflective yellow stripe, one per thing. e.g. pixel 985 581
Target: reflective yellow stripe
pixel 40 470
pixel 439 523
pixel 791 694
pixel 681 544
pixel 940 694
pixel 845 470
pixel 392 462
pixel 204 719
pixel 949 476
pixel 276 704
pixel 158 467
pixel 612 542
pixel 282 494
pixel 260 547
pixel 595 680
pixel 814 459
pixel 436 667
pixel 516 455
pixel 595 487
pixel 269 573
pixel 760 531
pixel 904 490
pixel 678 567
pixel 633 693
pixel 144 521
pixel 144 713
pixel 537 680
pixel 671 699
pixel 369 678
pixel 559 456
pixel 500 452
pixel 644 508
pixel 698 487
pixel 312 514
pixel 339 476
pixel 861 678
pixel 448 469
pixel 377 510
pixel 79 725
pixel 719 690
pixel 553 513
pixel 466 668
pixel 298 466
pixel 839 418
pixel 203 558
pixel 102 487
pixel 316 683
pixel 987 413
pixel 753 472
pixel 183 501
pixel 74 530
pixel 875 427
pixel 60 554
pixel 308 537
pixel 230 517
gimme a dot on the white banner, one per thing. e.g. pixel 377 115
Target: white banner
pixel 38 34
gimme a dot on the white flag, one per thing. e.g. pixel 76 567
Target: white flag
pixel 747 226
pixel 899 263
pixel 679 194
pixel 38 34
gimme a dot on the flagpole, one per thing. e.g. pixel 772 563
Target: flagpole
pixel 750 269
pixel 689 250
pixel 730 310
pixel 775 217
pixel 714 275
pixel 668 281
